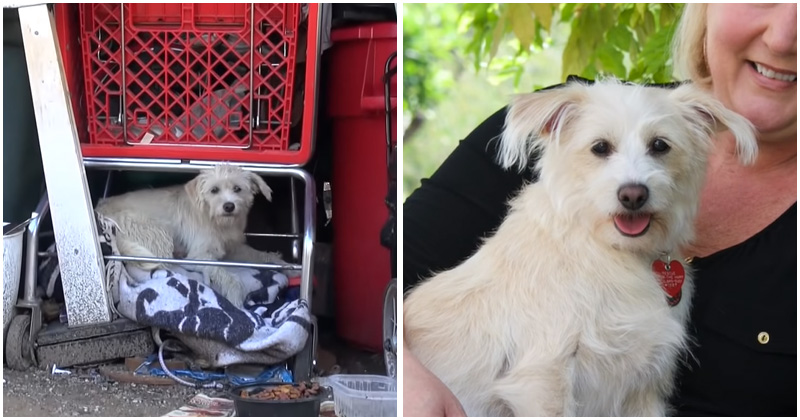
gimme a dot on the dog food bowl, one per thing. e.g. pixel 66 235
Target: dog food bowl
pixel 363 395
pixel 255 407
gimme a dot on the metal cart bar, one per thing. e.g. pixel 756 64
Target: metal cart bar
pixel 204 262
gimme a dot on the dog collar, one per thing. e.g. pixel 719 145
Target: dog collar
pixel 670 275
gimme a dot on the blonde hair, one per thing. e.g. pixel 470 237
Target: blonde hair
pixel 688 45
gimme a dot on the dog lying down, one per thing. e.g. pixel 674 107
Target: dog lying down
pixel 577 304
pixel 204 219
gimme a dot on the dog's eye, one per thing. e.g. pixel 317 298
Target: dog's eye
pixel 601 148
pixel 236 188
pixel 658 146
pixel 214 190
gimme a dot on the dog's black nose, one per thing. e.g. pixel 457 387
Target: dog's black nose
pixel 632 196
pixel 228 207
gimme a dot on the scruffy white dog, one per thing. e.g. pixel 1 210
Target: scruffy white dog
pixel 204 219
pixel 575 305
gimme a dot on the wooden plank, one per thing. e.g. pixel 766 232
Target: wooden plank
pixel 18 4
pixel 80 258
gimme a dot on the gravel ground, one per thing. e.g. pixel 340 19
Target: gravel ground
pixel 85 392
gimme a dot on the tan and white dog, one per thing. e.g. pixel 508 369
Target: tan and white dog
pixel 574 306
pixel 204 219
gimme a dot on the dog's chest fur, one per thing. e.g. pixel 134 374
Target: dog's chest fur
pixel 621 352
pixel 538 325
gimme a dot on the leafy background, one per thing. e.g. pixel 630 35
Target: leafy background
pixel 462 62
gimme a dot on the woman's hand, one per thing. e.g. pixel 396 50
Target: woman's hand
pixel 424 395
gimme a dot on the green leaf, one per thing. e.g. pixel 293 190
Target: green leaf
pixel 641 34
pixel 620 36
pixel 636 73
pixel 625 17
pixel 581 44
pixel 633 51
pixel 664 14
pixel 589 72
pixel 541 37
pixel 611 60
pixel 498 33
pixel 473 9
pixel 649 22
pixel 543 13
pixel 637 13
pixel 641 8
pixel 522 24
pixel 608 17
pixel 670 12
pixel 591 30
pixel 571 58
pixel 655 52
pixel 568 11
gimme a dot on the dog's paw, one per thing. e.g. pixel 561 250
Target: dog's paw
pixel 233 291
pixel 273 258
pixel 229 286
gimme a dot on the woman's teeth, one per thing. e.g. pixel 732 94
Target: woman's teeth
pixel 774 75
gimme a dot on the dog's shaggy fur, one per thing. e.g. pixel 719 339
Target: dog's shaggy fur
pixel 559 312
pixel 204 219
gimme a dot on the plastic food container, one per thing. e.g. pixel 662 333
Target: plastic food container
pixel 363 395
pixel 253 407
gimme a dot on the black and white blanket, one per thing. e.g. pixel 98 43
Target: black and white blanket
pixel 268 329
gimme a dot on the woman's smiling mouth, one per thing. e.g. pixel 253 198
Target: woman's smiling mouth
pixel 770 73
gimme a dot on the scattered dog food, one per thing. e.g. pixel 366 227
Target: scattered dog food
pixel 285 392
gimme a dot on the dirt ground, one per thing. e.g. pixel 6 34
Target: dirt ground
pixel 87 392
pixel 36 393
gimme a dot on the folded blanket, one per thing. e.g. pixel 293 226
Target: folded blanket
pixel 269 329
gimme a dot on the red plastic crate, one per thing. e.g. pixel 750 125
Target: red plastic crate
pixel 200 81
pixel 69 38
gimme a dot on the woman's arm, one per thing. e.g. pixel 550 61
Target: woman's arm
pixel 446 218
pixel 424 395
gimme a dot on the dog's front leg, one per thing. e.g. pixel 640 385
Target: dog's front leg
pixel 227 285
pixel 246 253
pixel 220 279
pixel 534 387
pixel 645 401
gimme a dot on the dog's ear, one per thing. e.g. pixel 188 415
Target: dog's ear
pixel 258 184
pixel 708 116
pixel 534 119
pixel 194 190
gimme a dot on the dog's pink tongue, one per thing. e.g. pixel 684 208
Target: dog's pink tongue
pixel 632 225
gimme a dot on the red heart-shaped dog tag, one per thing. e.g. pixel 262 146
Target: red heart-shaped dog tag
pixel 671 279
